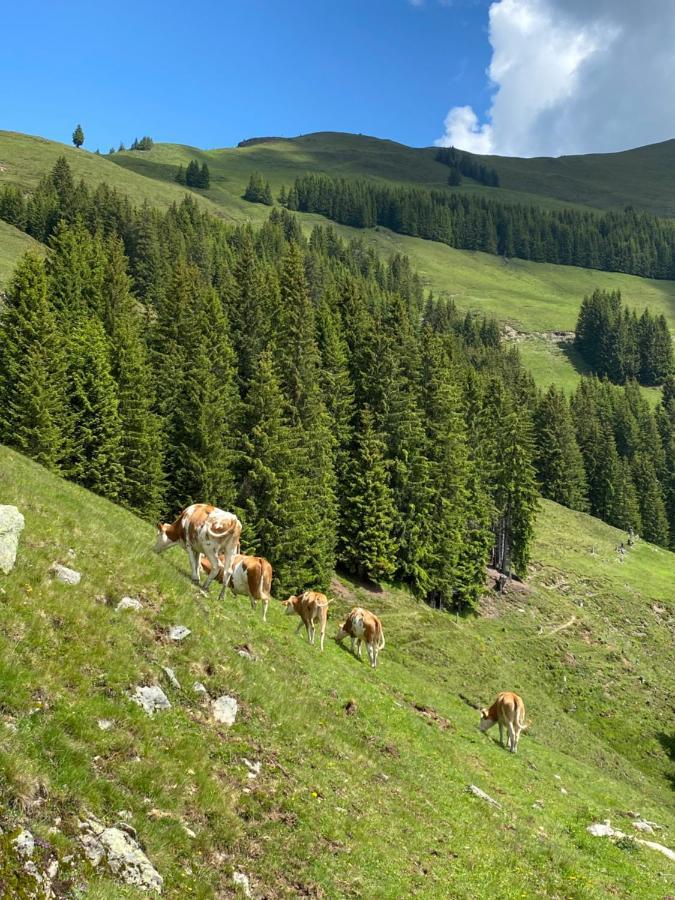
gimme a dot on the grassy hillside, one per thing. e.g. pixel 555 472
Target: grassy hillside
pixel 643 177
pixel 533 297
pixel 13 244
pixel 362 787
pixel 25 159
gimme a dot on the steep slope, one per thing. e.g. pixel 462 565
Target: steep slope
pixel 362 786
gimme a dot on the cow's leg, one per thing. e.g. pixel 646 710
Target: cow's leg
pixel 323 631
pixel 300 624
pixel 352 647
pixel 310 632
pixel 252 599
pixel 501 734
pixel 212 557
pixel 516 738
pixel 512 738
pixel 266 603
pixel 193 556
pixel 358 647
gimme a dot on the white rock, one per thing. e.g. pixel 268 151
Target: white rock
pixel 64 574
pixel 122 855
pixel 242 881
pixel 643 826
pixel 199 688
pixel 129 603
pixel 601 829
pixel 105 724
pixel 483 796
pixel 179 632
pixel 563 791
pixel 171 675
pixel 24 844
pixel 224 709
pixel 11 526
pixel 253 768
pixel 151 698
pixel 190 833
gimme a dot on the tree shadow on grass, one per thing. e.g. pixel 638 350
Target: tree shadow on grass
pixel 575 358
pixel 667 741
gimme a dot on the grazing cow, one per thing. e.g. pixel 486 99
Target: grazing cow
pixel 203 529
pixel 362 625
pixel 312 607
pixel 250 576
pixel 508 711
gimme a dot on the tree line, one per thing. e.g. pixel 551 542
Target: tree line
pixel 464 164
pixel 161 358
pixel 628 241
pixel 618 345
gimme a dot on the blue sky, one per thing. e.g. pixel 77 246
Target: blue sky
pixel 212 73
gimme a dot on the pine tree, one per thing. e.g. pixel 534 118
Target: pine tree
pixel 142 484
pixel 370 548
pixel 204 177
pixel 94 458
pixel 180 175
pixel 32 368
pixel 78 136
pixel 271 489
pixel 299 362
pixel 560 468
pixel 650 498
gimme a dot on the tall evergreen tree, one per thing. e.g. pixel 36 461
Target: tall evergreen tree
pixel 32 368
pixel 78 136
pixel 94 458
pixel 369 549
pixel 560 468
pixel 141 441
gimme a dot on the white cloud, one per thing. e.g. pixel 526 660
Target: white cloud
pixel 574 76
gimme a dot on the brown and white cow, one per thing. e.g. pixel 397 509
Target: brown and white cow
pixel 362 625
pixel 251 576
pixel 508 711
pixel 201 528
pixel 312 607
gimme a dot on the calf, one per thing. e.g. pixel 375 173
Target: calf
pixel 363 625
pixel 312 607
pixel 202 529
pixel 508 711
pixel 250 576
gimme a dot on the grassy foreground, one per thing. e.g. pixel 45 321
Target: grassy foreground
pixel 362 787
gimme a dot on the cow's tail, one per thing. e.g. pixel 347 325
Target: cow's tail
pixel 218 533
pixel 520 714
pixel 380 643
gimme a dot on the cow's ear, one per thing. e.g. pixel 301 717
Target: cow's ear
pixel 483 713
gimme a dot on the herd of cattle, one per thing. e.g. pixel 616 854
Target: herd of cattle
pixel 211 537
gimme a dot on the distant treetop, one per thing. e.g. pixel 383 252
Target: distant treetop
pixel 78 136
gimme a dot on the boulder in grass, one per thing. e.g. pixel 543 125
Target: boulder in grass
pixel 119 850
pixel 64 574
pixel 129 603
pixel 11 526
pixel 179 632
pixel 151 698
pixel 224 710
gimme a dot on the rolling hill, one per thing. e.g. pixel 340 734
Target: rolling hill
pixel 362 785
pixel 534 298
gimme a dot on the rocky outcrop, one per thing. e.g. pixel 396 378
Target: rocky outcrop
pixel 117 848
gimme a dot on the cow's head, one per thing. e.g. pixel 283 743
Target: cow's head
pixel 485 721
pixel 290 604
pixel 163 540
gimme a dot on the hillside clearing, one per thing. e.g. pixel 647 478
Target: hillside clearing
pixel 372 803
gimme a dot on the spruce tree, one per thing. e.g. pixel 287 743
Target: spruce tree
pixel 32 368
pixel 94 458
pixel 271 488
pixel 560 468
pixel 142 484
pixel 650 497
pixel 369 549
pixel 78 136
